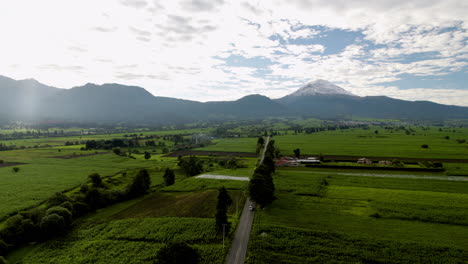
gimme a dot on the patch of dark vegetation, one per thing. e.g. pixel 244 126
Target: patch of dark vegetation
pixel 198 204
pixel 8 164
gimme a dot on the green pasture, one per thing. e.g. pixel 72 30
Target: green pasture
pixel 43 175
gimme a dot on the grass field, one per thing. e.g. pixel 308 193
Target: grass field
pixel 361 219
pixel 42 176
pixel 360 142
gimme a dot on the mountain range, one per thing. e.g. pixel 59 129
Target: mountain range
pixel 29 100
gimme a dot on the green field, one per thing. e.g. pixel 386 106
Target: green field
pixel 361 219
pixel 130 241
pixel 360 142
pixel 320 215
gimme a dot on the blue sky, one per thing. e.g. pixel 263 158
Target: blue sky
pixel 224 49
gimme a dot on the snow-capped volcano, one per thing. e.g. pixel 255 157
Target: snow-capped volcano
pixel 320 87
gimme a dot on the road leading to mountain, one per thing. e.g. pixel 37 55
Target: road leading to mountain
pixel 240 242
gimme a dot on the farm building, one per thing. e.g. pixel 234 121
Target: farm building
pixel 364 161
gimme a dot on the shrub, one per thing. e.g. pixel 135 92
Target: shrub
pixel 1 161
pixel 63 212
pixel 67 205
pixel 52 225
pixel 95 179
pixel 16 169
pixel 461 141
pixel 57 199
pixel 80 209
pixel 424 146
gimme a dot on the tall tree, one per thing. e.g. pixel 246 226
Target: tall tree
pixel 140 185
pixel 224 201
pixel 297 153
pixel 169 177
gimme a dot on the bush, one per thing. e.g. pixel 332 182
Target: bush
pixel 16 169
pixel 80 209
pixel 52 225
pixel 63 212
pixel 95 179
pixel 424 146
pixel 57 199
pixel 67 205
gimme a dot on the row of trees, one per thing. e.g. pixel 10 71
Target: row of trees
pixel 261 185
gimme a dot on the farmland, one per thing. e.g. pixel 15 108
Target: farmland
pixel 357 219
pixel 362 142
pixel 320 214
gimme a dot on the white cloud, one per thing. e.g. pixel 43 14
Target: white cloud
pixel 169 47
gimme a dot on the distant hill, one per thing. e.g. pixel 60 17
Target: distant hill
pixel 22 99
pixel 323 99
pixel 114 103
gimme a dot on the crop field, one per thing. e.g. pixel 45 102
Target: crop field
pixel 335 218
pixel 360 142
pixel 130 241
pixel 195 204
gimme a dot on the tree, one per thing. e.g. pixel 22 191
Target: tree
pixel 261 186
pixel 169 177
pixel 177 253
pixel 147 155
pixel 224 201
pixel 297 152
pixel 63 212
pixel 424 146
pixel 96 180
pixel 52 225
pixel 16 169
pixel 140 185
pixel 191 165
pixel 260 143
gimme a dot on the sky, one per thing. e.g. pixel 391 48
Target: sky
pixel 212 50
